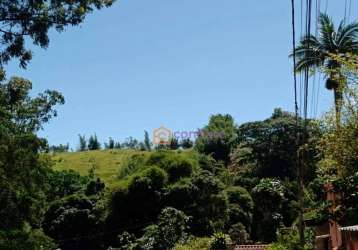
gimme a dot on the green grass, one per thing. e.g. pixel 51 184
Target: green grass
pixel 107 163
pixel 194 244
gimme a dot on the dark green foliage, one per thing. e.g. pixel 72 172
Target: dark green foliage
pixel 94 187
pixel 179 169
pixel 59 148
pixel 176 165
pixel 63 183
pixel 18 240
pixel 351 199
pixel 200 197
pixel 218 138
pixel 268 196
pixel 131 165
pixel 171 228
pixel 241 207
pixel 82 143
pixel 187 143
pixel 147 143
pixel 208 163
pixel 93 143
pixel 290 240
pixel 31 20
pixel 268 148
pixel 219 241
pixel 124 241
pixel 130 143
pixel 22 171
pixel 70 220
pixel 238 234
pixel 140 203
pixel 174 143
pixel 110 145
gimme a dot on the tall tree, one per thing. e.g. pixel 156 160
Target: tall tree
pixel 315 51
pixel 31 20
pixel 268 148
pixel 23 170
pixel 93 143
pixel 147 143
pixel 82 143
pixel 218 138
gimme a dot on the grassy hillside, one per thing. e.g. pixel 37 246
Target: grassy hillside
pixel 105 162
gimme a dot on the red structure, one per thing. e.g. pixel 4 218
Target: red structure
pixel 330 235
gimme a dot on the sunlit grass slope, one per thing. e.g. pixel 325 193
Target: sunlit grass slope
pixel 106 163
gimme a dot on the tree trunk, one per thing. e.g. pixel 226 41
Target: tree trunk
pixel 338 98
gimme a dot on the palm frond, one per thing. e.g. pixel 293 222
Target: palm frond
pixel 326 27
pixel 347 35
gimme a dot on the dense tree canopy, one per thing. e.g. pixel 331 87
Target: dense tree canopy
pixel 23 172
pixel 218 138
pixel 269 148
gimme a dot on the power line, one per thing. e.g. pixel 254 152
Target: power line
pixel 318 89
pixel 326 9
pixel 294 58
pixel 349 10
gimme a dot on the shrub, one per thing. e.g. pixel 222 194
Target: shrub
pixel 194 244
pixel 220 241
pixel 179 169
pixel 238 234
pixel 72 218
pixel 139 203
pixel 202 198
pixel 131 165
pixel 171 228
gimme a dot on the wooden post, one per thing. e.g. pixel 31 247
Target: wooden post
pixel 336 236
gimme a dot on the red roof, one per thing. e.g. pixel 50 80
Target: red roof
pixel 251 247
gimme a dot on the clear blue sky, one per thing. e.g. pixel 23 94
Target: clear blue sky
pixel 142 64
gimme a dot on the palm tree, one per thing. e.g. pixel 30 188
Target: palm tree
pixel 315 51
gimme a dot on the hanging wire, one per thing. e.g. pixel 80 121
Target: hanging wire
pixel 308 34
pixel 318 89
pixel 315 84
pixel 294 58
pixel 349 10
pixel 345 10
pixel 301 75
pixel 326 9
pixel 313 95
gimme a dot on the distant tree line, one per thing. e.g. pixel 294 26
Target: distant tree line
pixel 92 143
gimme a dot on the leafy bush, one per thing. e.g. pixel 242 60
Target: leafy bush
pixel 218 138
pixel 29 240
pixel 291 241
pixel 179 168
pixel 66 182
pixel 202 198
pixel 138 204
pixel 72 218
pixel 171 228
pixel 238 234
pixel 268 196
pixel 131 165
pixel 220 241
pixel 194 244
